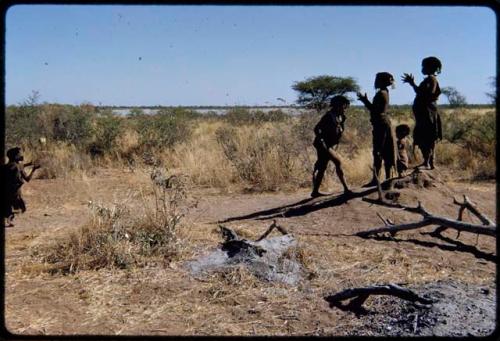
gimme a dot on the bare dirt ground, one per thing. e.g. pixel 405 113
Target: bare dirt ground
pixel 164 299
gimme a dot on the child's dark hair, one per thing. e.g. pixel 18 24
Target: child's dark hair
pixel 339 100
pixel 402 131
pixel 383 79
pixel 13 152
pixel 433 63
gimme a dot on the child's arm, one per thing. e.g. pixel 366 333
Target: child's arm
pixel 408 78
pixel 26 177
pixel 364 99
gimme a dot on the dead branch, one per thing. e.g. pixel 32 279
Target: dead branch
pixel 467 204
pixel 430 219
pixel 270 229
pixel 359 296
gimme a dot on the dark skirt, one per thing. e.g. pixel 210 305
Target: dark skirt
pixel 427 124
pixel 10 203
pixel 384 141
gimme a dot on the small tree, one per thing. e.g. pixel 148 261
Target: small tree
pixel 455 98
pixel 493 95
pixel 316 92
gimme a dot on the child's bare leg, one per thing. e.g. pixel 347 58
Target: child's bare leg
pixel 318 173
pixel 338 169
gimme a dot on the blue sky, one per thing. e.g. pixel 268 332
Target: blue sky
pixel 237 55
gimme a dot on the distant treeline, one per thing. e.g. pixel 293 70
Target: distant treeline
pixel 222 107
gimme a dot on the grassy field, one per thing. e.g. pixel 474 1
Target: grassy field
pixel 262 151
pixel 121 204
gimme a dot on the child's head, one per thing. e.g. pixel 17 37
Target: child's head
pixel 14 154
pixel 383 80
pixel 431 66
pixel 402 131
pixel 339 104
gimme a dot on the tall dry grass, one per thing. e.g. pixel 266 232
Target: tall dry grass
pixel 253 151
pixel 124 234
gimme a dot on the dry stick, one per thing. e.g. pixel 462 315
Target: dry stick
pixel 361 294
pixel 269 230
pixel 386 223
pixel 474 210
pixel 430 219
pixel 467 204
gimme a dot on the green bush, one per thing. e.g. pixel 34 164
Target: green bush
pixel 162 130
pixel 107 128
pixel 73 124
pixel 22 124
pixel 239 116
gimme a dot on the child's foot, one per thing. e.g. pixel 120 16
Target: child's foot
pixel 317 194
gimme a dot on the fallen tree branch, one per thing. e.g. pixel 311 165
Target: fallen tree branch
pixel 467 204
pixel 429 219
pixel 359 296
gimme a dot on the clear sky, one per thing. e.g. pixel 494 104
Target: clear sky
pixel 237 55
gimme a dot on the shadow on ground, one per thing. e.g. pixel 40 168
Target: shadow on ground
pixel 456 245
pixel 302 207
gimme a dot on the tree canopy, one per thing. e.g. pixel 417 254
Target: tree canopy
pixel 493 94
pixel 316 92
pixel 455 98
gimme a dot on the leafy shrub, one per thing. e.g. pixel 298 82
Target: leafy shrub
pixel 106 129
pixel 239 116
pixel 21 122
pixel 162 130
pixel 74 125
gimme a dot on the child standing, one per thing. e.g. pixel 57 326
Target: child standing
pixel 402 132
pixel 327 134
pixel 13 177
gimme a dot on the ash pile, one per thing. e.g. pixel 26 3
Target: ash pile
pixel 458 310
pixel 271 259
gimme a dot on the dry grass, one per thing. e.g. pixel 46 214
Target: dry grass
pixel 123 236
pixel 271 156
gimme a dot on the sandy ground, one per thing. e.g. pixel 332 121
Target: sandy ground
pixel 167 300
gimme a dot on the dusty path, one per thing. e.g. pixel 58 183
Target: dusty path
pixel 167 300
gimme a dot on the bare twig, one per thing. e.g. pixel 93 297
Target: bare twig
pixel 385 221
pixel 270 229
pixel 467 204
pixel 430 219
pixel 474 210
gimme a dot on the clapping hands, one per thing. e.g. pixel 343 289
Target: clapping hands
pixel 408 78
pixel 362 97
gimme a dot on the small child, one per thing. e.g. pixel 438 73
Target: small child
pixel 328 132
pixel 13 177
pixel 402 131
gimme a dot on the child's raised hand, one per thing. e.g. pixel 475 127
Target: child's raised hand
pixel 408 78
pixel 362 97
